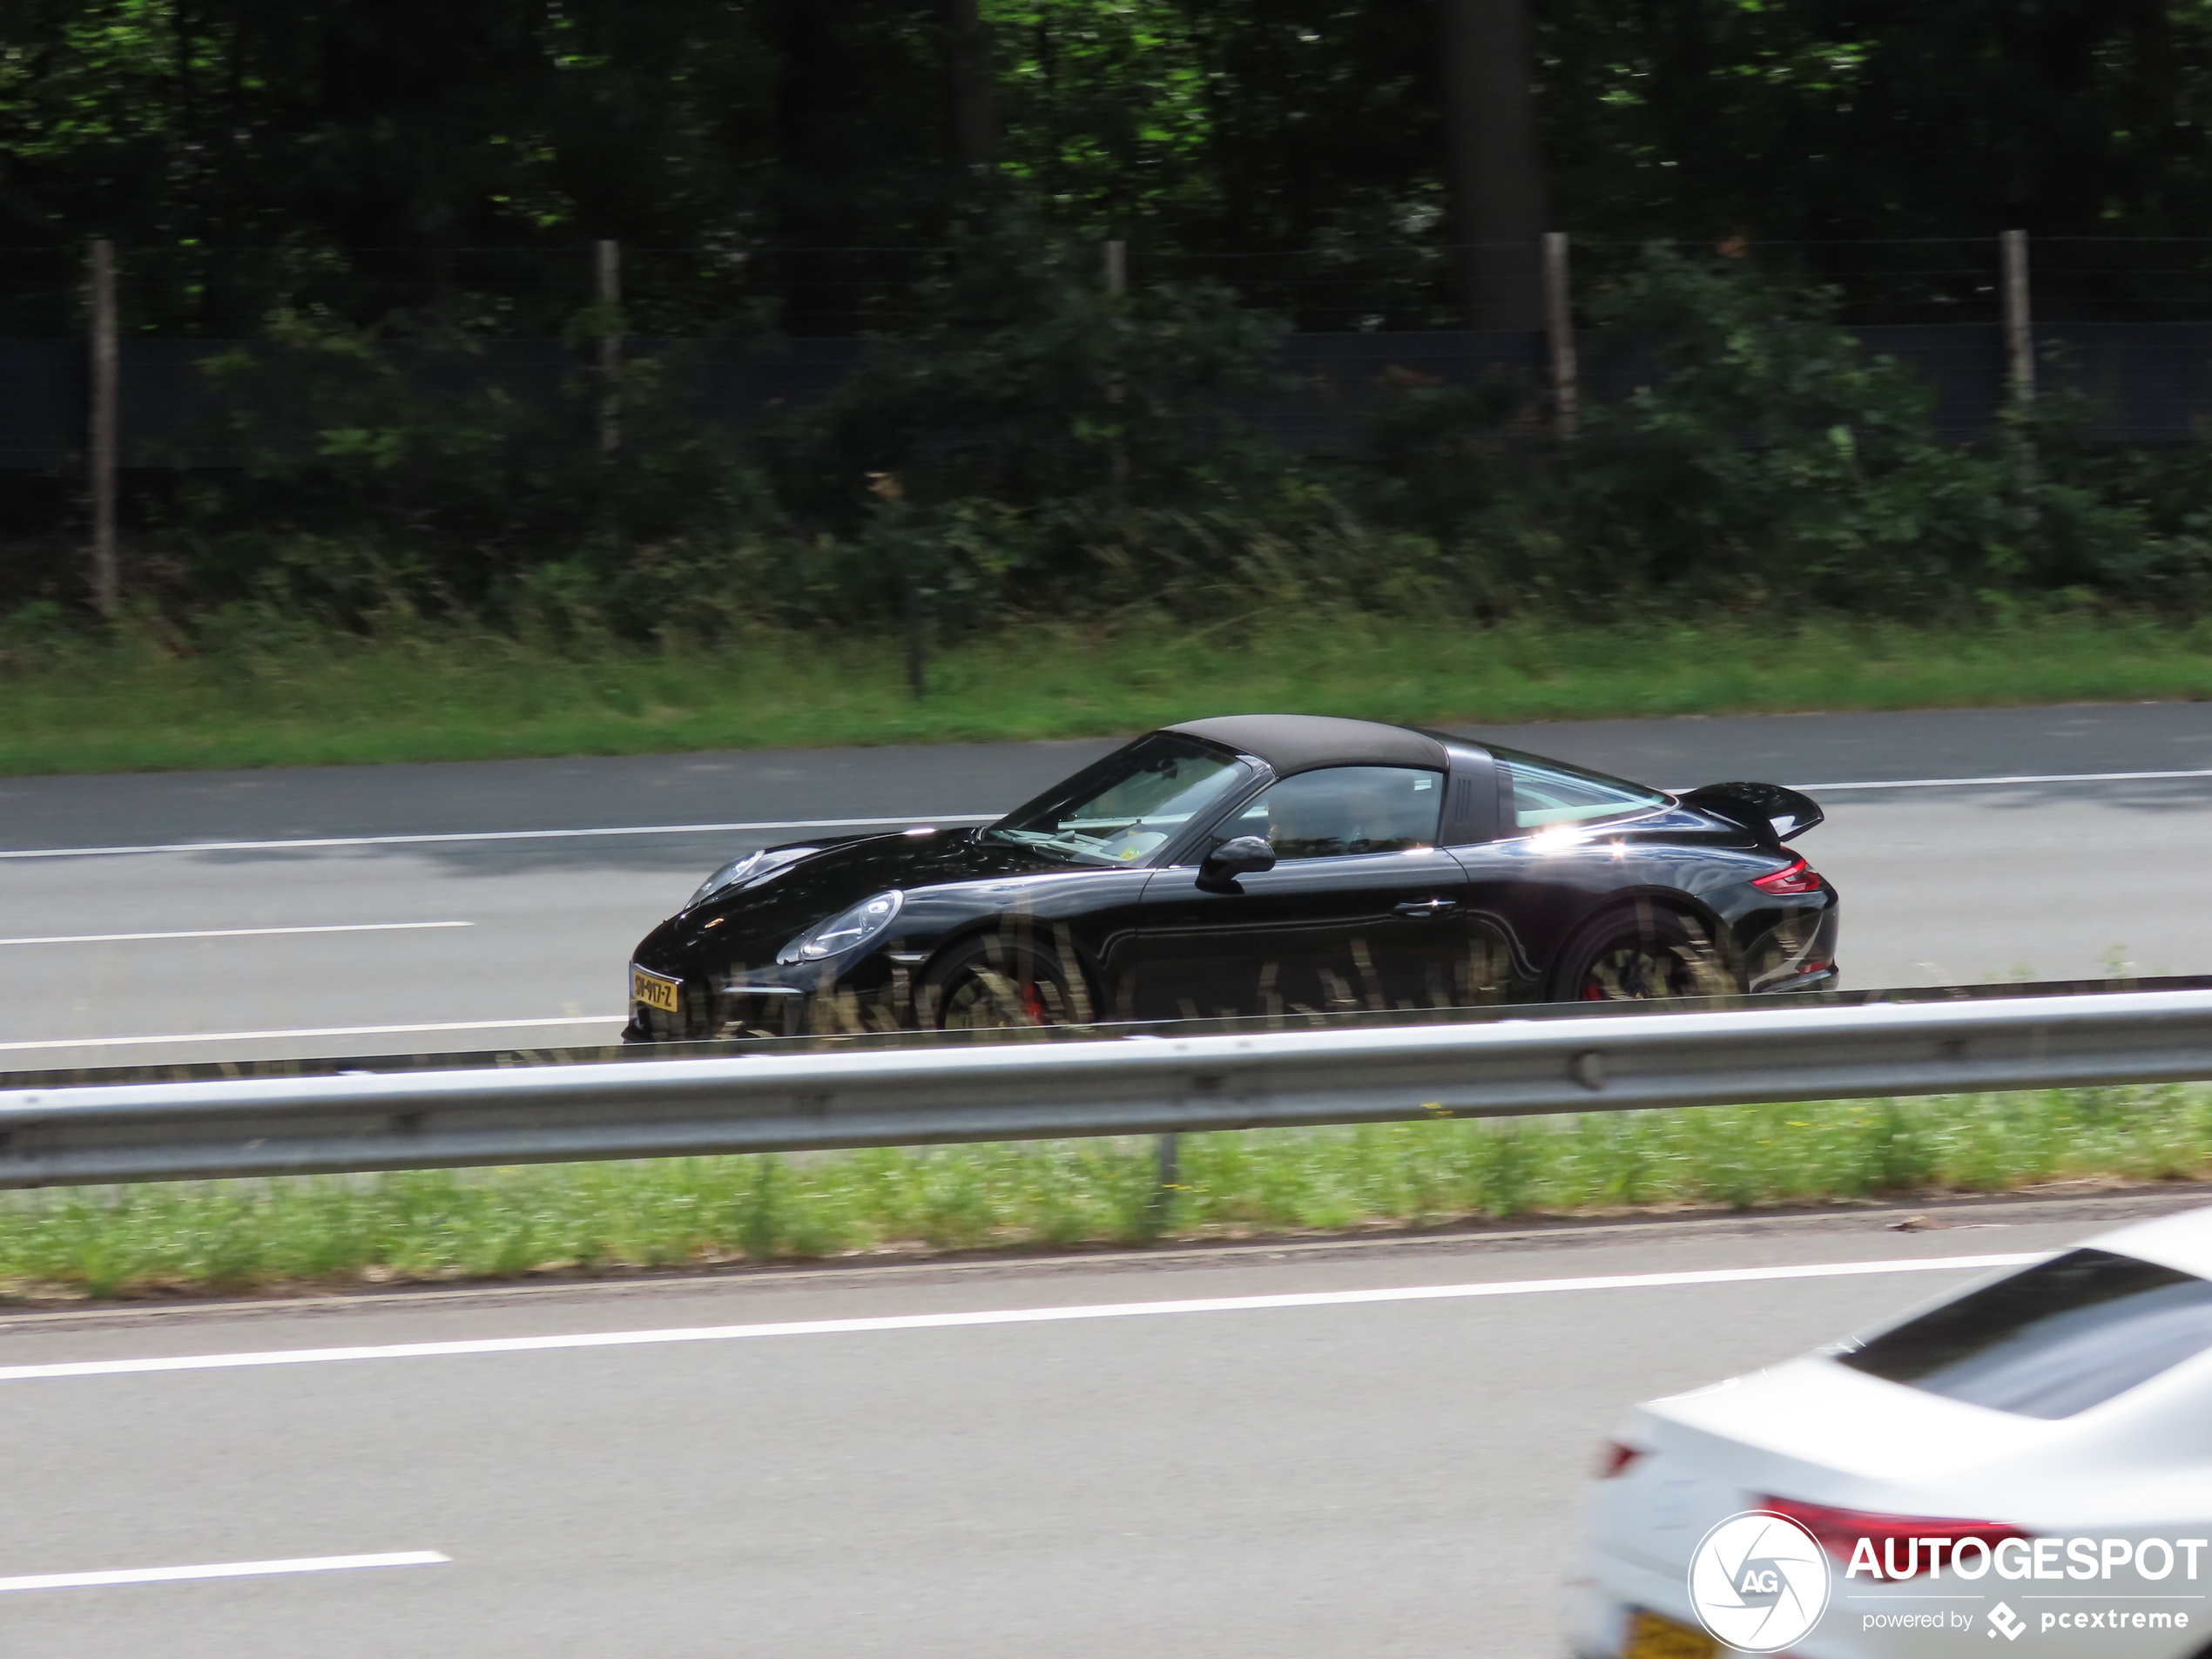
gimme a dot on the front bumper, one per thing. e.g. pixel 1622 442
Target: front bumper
pixel 832 996
pixel 759 1006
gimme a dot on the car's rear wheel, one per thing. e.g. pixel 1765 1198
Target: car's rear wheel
pixel 992 980
pixel 1643 955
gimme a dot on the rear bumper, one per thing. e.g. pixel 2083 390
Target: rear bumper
pixel 1607 1590
pixel 1796 953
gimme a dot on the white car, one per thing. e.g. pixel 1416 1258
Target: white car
pixel 2024 1465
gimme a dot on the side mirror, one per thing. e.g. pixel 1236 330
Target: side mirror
pixel 1246 855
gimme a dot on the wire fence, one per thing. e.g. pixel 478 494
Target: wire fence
pixel 721 292
pixel 2126 320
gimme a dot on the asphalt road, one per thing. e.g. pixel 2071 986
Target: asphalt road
pixel 388 937
pixel 1365 1476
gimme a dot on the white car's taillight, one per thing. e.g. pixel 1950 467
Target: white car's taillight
pixel 1616 1458
pixel 1901 1545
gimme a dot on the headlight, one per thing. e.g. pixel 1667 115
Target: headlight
pixel 751 867
pixel 856 927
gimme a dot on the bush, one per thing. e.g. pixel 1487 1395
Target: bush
pixel 1034 445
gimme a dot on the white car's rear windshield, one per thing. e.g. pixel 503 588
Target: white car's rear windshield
pixel 2050 1340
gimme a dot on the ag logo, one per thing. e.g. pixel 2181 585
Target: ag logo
pixel 1758 1581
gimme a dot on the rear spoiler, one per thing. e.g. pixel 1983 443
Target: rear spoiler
pixel 1769 810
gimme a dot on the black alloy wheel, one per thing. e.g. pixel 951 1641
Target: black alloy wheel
pixel 992 981
pixel 1647 955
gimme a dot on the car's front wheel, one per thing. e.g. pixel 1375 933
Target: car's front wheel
pixel 1643 955
pixel 992 980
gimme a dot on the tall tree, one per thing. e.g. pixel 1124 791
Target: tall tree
pixel 971 103
pixel 1496 171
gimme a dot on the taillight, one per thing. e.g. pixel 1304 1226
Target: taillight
pixel 1615 1458
pixel 1895 1546
pixel 1796 877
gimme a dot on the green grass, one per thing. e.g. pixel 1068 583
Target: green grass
pixel 449 1225
pixel 152 701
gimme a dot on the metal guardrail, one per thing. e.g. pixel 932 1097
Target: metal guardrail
pixel 1142 1084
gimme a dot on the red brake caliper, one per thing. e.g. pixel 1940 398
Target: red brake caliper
pixel 1033 1005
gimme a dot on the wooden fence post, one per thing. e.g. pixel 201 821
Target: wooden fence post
pixel 1114 258
pixel 106 579
pixel 2020 324
pixel 607 271
pixel 1559 333
pixel 917 635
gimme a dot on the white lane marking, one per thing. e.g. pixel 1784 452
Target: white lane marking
pixel 226 1569
pixel 306 845
pixel 320 842
pixel 317 1031
pixel 1008 1316
pixel 2047 778
pixel 237 933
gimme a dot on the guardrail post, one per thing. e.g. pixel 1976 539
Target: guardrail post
pixel 1167 1166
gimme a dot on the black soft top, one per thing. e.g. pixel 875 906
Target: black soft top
pixel 1292 743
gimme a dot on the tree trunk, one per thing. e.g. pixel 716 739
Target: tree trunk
pixel 817 173
pixel 1495 174
pixel 971 111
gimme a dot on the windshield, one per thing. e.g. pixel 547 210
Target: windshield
pixel 1126 806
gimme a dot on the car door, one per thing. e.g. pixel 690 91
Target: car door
pixel 1362 909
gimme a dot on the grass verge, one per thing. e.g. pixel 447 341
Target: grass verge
pixel 149 701
pixel 303 1233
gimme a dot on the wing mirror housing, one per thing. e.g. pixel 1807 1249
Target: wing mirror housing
pixel 1246 855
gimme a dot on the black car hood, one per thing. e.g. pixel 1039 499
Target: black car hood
pixel 748 926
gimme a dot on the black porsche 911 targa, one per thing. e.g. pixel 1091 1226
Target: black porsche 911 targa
pixel 1257 864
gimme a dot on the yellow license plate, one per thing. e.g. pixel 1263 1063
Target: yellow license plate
pixel 654 991
pixel 1652 1637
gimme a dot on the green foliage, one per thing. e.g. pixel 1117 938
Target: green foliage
pixel 434 1225
pixel 1251 128
pixel 248 685
pixel 1769 453
pixel 1768 456
pixel 1033 445
pixel 1026 382
pixel 377 474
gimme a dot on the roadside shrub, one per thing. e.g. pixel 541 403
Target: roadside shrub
pixel 1035 446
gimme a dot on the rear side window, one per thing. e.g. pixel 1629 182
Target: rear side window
pixel 1551 792
pixel 2052 1340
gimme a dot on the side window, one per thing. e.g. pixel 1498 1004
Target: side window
pixel 1550 791
pixel 1342 810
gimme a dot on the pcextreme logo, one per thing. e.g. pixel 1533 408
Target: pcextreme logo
pixel 1758 1581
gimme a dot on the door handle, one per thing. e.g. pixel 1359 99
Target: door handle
pixel 1427 906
